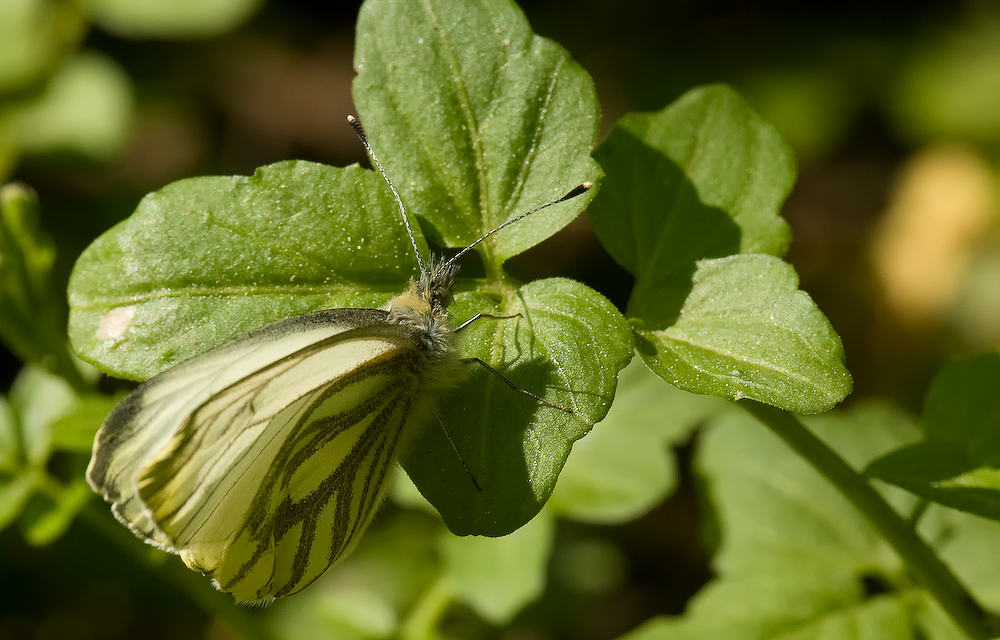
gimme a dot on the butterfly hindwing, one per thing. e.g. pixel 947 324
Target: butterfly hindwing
pixel 261 462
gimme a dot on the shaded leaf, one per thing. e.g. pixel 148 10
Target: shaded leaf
pixel 514 446
pixel 40 399
pixel 476 118
pixel 746 331
pixel 14 495
pixel 44 527
pixel 958 463
pixel 703 178
pixel 691 199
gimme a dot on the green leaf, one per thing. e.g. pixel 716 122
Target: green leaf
pixel 40 399
pixel 699 181
pixel 86 107
pixel 170 19
pixel 703 178
pixel 44 527
pixel 971 547
pixel 625 465
pixel 797 560
pixel 958 463
pixel 746 331
pixel 11 453
pixel 210 258
pixel 513 445
pixel 499 576
pixel 476 117
pixel 14 495
pixel 777 512
pixel 792 606
pixel 31 314
pixel 76 431
pixel 34 35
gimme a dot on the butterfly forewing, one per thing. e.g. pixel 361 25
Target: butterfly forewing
pixel 261 462
pixel 335 471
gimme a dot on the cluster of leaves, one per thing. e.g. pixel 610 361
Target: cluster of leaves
pixel 479 119
pixel 45 413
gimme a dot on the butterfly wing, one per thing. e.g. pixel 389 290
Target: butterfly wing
pixel 261 462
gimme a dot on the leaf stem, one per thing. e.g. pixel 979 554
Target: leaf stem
pixel 918 512
pixel 422 621
pixel 932 573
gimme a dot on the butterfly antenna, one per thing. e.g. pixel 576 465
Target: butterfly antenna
pixel 572 193
pixel 399 201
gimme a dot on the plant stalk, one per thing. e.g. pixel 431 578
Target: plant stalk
pixel 921 560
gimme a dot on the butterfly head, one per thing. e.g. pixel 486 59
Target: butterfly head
pixel 436 283
pixel 424 305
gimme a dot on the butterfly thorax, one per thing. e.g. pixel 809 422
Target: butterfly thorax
pixel 424 307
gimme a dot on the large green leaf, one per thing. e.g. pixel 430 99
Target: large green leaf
pixel 798 561
pixel 687 188
pixel 567 346
pixel 477 118
pixel 206 259
pixel 703 178
pixel 746 331
pixel 958 462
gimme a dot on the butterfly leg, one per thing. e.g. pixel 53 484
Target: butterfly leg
pixel 513 386
pixel 455 448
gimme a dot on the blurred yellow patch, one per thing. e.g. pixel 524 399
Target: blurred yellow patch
pixel 942 208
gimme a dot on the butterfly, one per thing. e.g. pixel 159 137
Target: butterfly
pixel 261 462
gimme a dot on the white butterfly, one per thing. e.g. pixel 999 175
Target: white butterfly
pixel 261 462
